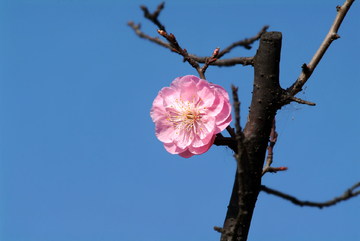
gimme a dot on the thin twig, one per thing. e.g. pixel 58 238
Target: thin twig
pixel 219 62
pixel 330 37
pixel 226 141
pixel 347 195
pixel 156 40
pixel 300 101
pixel 183 52
pixel 273 169
pixel 269 159
pixel 244 61
pixel 231 131
pixel 220 230
pixel 245 43
pixel 210 60
pixel 154 16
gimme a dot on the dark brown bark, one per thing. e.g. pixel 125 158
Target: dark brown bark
pixel 266 100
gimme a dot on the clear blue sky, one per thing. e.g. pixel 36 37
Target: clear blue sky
pixel 79 159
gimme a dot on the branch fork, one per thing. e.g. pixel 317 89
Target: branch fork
pixel 219 62
pixel 176 48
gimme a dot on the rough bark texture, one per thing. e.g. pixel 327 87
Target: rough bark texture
pixel 266 100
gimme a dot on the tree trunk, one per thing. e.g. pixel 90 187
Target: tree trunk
pixel 266 100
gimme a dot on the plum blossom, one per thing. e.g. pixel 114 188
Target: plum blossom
pixel 189 114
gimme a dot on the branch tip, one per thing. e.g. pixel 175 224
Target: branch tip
pixel 300 101
pixel 218 229
pixel 349 193
pixel 332 35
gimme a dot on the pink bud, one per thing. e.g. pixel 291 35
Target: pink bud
pixel 162 32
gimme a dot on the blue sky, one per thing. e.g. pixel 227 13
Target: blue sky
pixel 79 159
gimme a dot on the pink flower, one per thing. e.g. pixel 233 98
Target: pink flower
pixel 189 114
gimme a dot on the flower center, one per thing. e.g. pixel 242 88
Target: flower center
pixel 185 115
pixel 190 116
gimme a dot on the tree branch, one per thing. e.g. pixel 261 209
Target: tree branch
pixel 245 43
pixel 269 159
pixel 226 62
pixel 307 70
pixel 176 48
pixel 347 195
pixel 226 141
pixel 154 16
pixel 300 101
pixel 219 62
pixel 156 40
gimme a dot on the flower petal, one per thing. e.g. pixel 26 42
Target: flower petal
pixel 186 154
pixel 202 149
pixel 173 149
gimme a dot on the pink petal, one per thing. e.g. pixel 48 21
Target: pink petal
pixel 221 126
pixel 183 140
pixel 172 148
pixel 205 93
pixel 165 132
pixel 202 149
pixel 157 111
pixel 202 142
pixel 170 97
pixel 206 126
pixel 186 154
pixel 216 106
pixel 221 91
pixel 188 91
pixel 174 85
pixel 223 117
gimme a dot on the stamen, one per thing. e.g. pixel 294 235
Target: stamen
pixel 185 116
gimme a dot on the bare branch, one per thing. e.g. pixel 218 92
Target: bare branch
pixel 176 48
pixel 227 62
pixel 154 16
pixel 245 43
pixel 330 37
pixel 219 62
pixel 300 101
pixel 269 159
pixel 231 131
pixel 210 60
pixel 274 169
pixel 226 141
pixel 145 36
pixel 220 230
pixel 347 195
